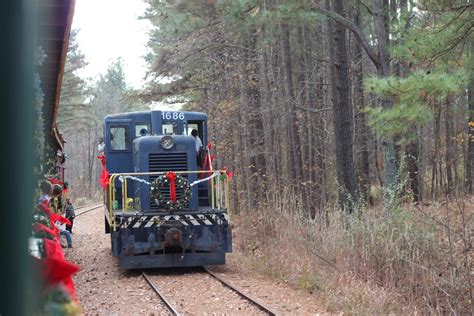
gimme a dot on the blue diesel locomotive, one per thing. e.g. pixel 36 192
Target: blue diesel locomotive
pixel 164 207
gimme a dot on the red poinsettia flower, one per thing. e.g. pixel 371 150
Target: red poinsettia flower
pixel 38 227
pixel 55 268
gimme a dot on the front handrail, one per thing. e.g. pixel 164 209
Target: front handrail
pixel 218 194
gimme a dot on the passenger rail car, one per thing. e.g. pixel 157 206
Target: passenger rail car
pixel 162 208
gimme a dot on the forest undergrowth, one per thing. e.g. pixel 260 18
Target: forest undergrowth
pixel 411 259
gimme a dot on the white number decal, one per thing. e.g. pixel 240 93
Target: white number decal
pixel 172 115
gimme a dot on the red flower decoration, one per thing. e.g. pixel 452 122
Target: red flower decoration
pixel 104 176
pixel 55 269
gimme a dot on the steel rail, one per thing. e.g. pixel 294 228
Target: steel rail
pixel 254 301
pixel 85 206
pixel 163 298
pixel 92 207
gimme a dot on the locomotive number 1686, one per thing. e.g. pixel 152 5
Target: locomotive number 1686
pixel 172 115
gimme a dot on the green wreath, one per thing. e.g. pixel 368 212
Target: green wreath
pixel 182 185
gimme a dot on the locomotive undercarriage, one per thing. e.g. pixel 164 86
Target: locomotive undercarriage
pixel 171 240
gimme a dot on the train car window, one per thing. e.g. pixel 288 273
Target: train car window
pixel 142 129
pixel 169 128
pixel 119 138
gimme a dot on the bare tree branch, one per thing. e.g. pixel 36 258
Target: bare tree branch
pixel 354 29
pixel 313 110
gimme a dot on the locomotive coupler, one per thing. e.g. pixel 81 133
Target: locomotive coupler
pixel 173 238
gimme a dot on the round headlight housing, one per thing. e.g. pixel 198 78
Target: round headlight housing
pixel 167 142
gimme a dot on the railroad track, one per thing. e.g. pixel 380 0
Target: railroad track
pixel 87 208
pixel 174 311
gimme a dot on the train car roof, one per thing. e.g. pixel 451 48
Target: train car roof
pixel 127 115
pixel 54 26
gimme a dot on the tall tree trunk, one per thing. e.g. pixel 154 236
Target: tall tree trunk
pixel 449 150
pixel 254 100
pixel 361 129
pixel 470 142
pixel 302 101
pixel 342 117
pixel 266 113
pixel 295 143
pixel 412 150
pixel 412 153
pixel 380 11
pixel 435 176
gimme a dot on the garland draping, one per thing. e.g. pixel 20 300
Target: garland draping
pixel 215 174
pixel 54 268
pixel 41 228
pixel 104 179
pixel 134 178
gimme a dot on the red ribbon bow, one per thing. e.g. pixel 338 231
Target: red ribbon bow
pixel 171 176
pixel 55 181
pixel 59 218
pixel 44 207
pixel 207 166
pixel 228 173
pixel 104 176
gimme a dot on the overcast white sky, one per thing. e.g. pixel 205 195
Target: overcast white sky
pixel 109 29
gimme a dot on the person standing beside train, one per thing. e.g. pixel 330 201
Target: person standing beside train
pixel 70 214
pixel 49 196
pixel 198 146
pixel 56 202
pixel 46 191
pixel 101 147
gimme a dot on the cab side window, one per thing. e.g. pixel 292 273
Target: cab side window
pixel 142 129
pixel 119 138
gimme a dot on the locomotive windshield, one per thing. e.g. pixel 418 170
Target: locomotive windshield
pixel 170 128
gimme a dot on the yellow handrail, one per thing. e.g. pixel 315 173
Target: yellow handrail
pixel 124 194
pixel 216 197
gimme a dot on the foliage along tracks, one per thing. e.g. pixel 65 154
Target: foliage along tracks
pixel 236 290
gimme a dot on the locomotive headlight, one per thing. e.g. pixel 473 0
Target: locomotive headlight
pixel 167 142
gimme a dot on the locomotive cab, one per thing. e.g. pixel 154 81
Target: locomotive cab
pixel 142 150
